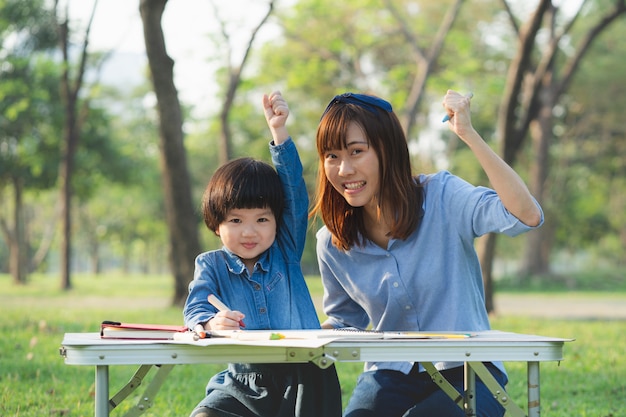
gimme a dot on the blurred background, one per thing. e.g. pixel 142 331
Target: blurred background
pixel 114 114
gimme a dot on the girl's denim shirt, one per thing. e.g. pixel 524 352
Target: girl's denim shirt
pixel 275 295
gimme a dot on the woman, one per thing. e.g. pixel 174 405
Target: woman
pixel 397 252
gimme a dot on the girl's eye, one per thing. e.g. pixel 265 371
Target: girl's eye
pixel 263 220
pixel 330 156
pixel 235 220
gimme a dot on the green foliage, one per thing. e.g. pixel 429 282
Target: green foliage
pixel 26 26
pixel 589 154
pixel 28 89
pixel 29 121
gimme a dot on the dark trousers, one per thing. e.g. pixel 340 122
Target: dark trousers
pixel 395 394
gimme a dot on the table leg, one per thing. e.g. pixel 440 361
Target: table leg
pixel 102 391
pixel 470 390
pixel 512 409
pixel 534 404
pixel 445 385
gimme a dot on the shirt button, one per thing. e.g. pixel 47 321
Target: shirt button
pixel 262 310
pixel 396 285
pixel 257 287
pixel 407 307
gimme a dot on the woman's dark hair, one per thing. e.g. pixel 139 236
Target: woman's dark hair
pixel 399 196
pixel 241 183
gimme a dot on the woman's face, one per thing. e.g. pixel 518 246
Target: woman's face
pixel 354 170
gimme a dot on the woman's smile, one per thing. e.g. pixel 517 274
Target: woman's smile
pixel 354 170
pixel 354 185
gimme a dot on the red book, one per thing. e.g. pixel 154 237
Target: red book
pixel 117 330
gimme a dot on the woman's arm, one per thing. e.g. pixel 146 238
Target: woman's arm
pixel 505 181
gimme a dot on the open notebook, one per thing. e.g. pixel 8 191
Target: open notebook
pixel 346 333
pixel 118 330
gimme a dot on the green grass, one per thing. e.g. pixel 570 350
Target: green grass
pixel 34 380
pixel 598 280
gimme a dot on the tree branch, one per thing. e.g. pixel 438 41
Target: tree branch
pixel 424 61
pixel 83 58
pixel 406 31
pixel 511 16
pixel 510 138
pixel 592 34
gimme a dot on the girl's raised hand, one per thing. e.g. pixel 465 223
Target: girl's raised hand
pixel 276 113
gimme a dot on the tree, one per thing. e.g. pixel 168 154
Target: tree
pixel 233 73
pixel 70 89
pixel 425 61
pixel 534 87
pixel 588 156
pixel 27 113
pixel 181 220
pixel 106 162
pixel 120 209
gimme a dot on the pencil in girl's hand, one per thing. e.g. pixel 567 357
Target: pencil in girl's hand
pixel 215 302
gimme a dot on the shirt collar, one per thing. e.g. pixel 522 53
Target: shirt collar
pixel 236 265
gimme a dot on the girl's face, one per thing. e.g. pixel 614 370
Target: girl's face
pixel 248 233
pixel 354 170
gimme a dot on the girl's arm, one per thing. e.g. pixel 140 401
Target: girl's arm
pixel 291 232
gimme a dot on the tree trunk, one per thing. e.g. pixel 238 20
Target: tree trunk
pixel 538 242
pixel 94 256
pixel 511 134
pixel 70 139
pixel 179 209
pixel 71 135
pixel 17 243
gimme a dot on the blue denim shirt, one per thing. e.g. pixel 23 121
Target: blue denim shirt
pixel 431 281
pixel 275 296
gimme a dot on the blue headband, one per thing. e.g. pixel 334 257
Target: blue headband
pixel 370 103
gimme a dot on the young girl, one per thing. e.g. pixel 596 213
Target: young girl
pixel 397 250
pixel 260 216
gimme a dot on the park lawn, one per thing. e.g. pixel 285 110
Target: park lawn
pixel 34 380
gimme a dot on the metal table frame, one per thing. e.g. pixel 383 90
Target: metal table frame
pixel 89 349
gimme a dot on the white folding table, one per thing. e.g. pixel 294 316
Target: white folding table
pixel 90 349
